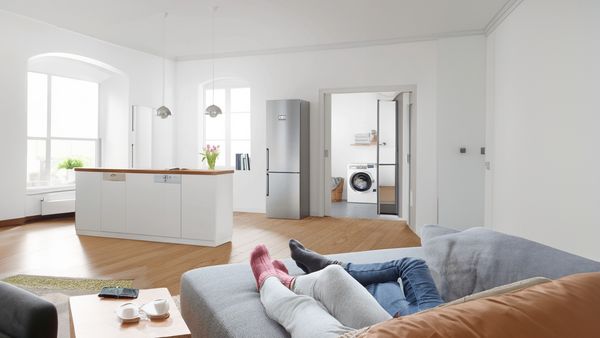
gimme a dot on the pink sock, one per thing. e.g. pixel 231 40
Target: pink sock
pixel 280 266
pixel 282 274
pixel 262 267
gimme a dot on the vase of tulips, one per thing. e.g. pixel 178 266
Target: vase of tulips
pixel 210 154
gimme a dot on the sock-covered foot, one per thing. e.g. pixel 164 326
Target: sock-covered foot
pixel 262 267
pixel 307 260
pixel 280 266
pixel 283 274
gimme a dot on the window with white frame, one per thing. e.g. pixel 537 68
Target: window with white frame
pixel 230 130
pixel 62 125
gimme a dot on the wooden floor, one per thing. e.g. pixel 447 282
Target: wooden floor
pixel 51 247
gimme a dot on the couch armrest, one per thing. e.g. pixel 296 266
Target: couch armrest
pixel 25 314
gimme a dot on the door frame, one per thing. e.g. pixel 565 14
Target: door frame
pixel 325 107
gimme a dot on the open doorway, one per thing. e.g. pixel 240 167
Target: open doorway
pixel 369 146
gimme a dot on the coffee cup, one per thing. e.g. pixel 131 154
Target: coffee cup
pixel 161 306
pixel 128 311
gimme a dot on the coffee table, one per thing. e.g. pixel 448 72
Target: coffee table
pixel 92 316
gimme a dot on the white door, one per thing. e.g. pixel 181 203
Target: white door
pixel 154 204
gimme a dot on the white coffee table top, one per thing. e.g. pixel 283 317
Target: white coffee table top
pixel 92 316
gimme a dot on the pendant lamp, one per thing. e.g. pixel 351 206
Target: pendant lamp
pixel 213 110
pixel 163 111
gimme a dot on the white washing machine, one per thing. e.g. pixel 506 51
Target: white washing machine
pixel 361 183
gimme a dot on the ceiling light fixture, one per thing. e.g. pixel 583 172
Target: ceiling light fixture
pixel 162 111
pixel 213 110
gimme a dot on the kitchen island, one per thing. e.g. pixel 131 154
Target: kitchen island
pixel 174 206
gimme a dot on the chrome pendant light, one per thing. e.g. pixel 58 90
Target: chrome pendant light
pixel 162 111
pixel 213 110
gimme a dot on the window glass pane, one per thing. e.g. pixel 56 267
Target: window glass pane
pixel 221 160
pixel 219 98
pixel 37 104
pixel 215 127
pixel 70 149
pixel 240 100
pixel 240 126
pixel 36 163
pixel 239 147
pixel 74 111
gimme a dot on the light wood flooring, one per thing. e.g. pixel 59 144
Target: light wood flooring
pixel 51 247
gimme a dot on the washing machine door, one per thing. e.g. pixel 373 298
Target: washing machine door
pixel 361 181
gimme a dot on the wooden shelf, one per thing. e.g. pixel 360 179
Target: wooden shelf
pixel 367 144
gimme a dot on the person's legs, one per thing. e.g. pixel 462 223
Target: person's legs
pixel 308 260
pixel 417 292
pixel 419 289
pixel 390 296
pixel 301 316
pixel 343 297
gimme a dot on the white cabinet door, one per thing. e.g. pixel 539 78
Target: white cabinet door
pixel 114 202
pixel 88 200
pixel 154 205
pixel 198 207
pixel 207 207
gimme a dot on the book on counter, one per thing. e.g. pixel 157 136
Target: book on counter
pixel 242 161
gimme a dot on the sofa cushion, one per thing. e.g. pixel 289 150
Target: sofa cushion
pixel 222 301
pixel 567 307
pixel 479 259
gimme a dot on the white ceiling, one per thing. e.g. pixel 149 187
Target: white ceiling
pixel 258 26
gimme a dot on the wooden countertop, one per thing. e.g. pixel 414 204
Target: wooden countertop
pixel 160 171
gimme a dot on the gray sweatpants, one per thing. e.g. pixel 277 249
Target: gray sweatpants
pixel 326 303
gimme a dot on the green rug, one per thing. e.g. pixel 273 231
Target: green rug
pixel 63 283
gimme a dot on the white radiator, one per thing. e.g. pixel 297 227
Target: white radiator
pixel 58 203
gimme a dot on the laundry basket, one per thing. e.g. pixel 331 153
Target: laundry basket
pixel 337 188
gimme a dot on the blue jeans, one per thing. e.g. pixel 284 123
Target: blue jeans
pixel 417 292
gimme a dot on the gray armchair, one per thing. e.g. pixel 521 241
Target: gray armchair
pixel 25 314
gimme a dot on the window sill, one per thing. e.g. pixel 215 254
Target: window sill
pixel 46 190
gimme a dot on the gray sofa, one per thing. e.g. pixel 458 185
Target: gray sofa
pixel 222 301
pixel 25 315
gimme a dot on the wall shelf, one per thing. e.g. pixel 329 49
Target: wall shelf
pixel 367 144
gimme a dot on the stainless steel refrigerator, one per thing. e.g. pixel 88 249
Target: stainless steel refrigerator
pixel 288 159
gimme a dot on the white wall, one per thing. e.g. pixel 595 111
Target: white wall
pixel 23 38
pixel 543 122
pixel 461 123
pixel 302 75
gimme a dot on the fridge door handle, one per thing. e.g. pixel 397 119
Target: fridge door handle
pixel 267 159
pixel 267 184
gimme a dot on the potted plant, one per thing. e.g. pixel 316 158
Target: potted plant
pixel 69 164
pixel 210 154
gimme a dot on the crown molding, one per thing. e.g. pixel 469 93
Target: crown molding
pixel 330 46
pixel 502 14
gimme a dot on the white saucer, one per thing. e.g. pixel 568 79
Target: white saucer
pixel 156 309
pixel 128 313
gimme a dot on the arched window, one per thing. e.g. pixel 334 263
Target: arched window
pixel 62 126
pixel 70 99
pixel 230 130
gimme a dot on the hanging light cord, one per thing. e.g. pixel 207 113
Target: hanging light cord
pixel 214 10
pixel 164 48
